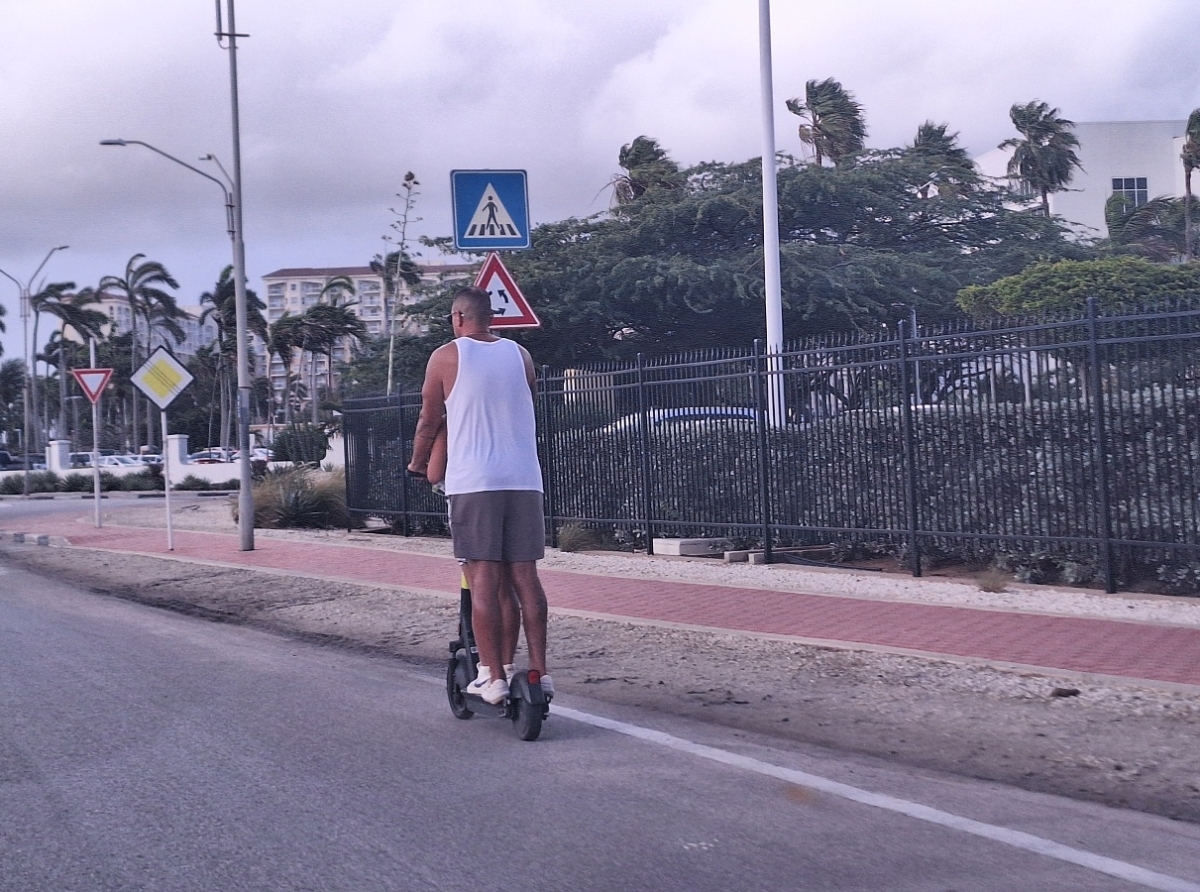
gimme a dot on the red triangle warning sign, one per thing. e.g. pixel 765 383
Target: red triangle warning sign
pixel 92 381
pixel 508 304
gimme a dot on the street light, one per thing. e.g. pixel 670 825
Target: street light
pixel 24 288
pixel 233 222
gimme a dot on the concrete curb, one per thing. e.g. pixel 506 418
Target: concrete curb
pixel 21 538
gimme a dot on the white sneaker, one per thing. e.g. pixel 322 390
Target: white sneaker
pixel 510 669
pixel 492 691
pixel 485 673
pixel 547 686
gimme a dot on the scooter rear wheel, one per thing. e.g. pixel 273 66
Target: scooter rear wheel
pixel 458 700
pixel 526 718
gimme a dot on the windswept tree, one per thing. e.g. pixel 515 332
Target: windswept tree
pixel 220 308
pixel 51 295
pixel 1191 160
pixel 1044 156
pixel 647 168
pixel 833 121
pixel 74 312
pixel 142 288
pixel 1155 230
pixel 951 170
pixel 284 338
pixel 12 394
pixel 323 327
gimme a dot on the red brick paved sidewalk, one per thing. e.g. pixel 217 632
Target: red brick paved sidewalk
pixel 1133 650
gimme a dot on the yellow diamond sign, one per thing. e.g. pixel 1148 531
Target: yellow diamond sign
pixel 162 377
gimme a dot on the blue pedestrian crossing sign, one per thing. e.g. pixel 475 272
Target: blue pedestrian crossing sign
pixel 491 209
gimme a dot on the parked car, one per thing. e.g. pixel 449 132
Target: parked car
pixel 81 459
pixel 120 461
pixel 210 457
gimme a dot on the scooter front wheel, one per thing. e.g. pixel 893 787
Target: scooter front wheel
pixel 454 693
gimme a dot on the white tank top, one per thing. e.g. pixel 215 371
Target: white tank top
pixel 490 427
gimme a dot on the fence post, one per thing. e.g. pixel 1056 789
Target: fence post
pixel 764 489
pixel 397 409
pixel 909 450
pixel 644 446
pixel 548 439
pixel 1100 451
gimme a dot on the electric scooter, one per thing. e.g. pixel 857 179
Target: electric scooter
pixel 527 705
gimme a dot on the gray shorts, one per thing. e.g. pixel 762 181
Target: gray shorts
pixel 502 525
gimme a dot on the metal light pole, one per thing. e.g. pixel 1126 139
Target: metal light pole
pixel 776 411
pixel 23 288
pixel 245 496
pixel 233 219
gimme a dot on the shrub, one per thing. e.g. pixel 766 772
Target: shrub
pixel 143 481
pixel 301 498
pixel 12 485
pixel 192 483
pixel 78 483
pixel 301 443
pixel 577 537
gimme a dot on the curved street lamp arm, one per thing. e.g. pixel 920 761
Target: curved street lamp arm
pixel 182 163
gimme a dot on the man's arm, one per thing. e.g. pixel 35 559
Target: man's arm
pixel 442 363
pixel 530 374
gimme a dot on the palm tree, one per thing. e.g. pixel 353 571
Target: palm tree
pixel 284 336
pixel 39 303
pixel 1191 160
pixel 74 312
pixel 647 168
pixel 323 326
pixel 1154 230
pixel 12 390
pixel 1044 158
pixel 220 306
pixel 140 288
pixel 950 168
pixel 835 127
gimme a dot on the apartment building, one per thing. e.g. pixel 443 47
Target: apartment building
pixel 294 290
pixel 196 334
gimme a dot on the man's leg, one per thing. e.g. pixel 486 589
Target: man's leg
pixel 510 618
pixel 487 578
pixel 533 610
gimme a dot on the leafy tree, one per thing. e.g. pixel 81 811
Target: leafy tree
pixel 1044 157
pixel 1191 160
pixel 647 168
pixel 684 271
pixel 1065 286
pixel 142 288
pixel 835 128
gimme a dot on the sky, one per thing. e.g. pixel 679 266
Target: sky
pixel 339 100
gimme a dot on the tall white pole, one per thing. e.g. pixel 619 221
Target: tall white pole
pixel 776 411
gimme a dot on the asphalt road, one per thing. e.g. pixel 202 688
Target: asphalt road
pixel 143 750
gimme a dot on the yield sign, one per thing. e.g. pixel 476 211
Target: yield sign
pixel 92 381
pixel 508 304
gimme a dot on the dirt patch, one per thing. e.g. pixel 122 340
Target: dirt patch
pixel 1122 745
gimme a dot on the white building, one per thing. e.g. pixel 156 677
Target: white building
pixel 196 335
pixel 294 290
pixel 1138 159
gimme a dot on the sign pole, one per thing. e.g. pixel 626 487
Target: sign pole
pixel 95 440
pixel 166 466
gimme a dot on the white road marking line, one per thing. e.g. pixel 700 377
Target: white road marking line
pixel 1016 838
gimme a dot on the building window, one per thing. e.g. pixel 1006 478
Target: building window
pixel 1132 190
pixel 275 289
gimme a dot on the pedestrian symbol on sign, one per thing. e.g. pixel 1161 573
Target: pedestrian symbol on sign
pixel 491 218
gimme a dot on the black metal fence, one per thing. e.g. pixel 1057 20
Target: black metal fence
pixel 1072 445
